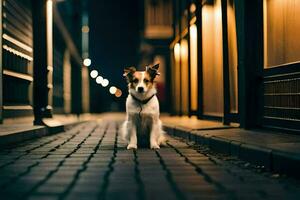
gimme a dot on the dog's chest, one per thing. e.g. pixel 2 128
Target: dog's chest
pixel 143 124
pixel 143 115
pixel 142 120
pixel 150 108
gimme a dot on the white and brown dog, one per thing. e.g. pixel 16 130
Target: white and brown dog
pixel 142 126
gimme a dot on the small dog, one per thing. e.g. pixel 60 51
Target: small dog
pixel 142 126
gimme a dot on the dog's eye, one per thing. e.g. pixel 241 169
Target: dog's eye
pixel 146 80
pixel 135 80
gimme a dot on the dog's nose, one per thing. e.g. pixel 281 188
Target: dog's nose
pixel 140 89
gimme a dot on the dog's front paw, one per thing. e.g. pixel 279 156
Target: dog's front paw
pixel 155 146
pixel 132 146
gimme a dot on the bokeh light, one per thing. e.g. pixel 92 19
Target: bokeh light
pixel 99 80
pixel 94 73
pixel 87 62
pixel 112 89
pixel 105 82
pixel 118 93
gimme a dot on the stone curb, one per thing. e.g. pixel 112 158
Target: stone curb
pixel 33 133
pixel 22 136
pixel 62 128
pixel 273 160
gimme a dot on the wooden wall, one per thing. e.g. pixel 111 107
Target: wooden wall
pixel 212 60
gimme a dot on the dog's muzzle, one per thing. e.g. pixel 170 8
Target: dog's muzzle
pixel 140 89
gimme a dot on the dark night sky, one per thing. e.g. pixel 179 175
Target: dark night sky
pixel 114 40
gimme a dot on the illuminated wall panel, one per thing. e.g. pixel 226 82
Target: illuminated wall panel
pixel 281 32
pixel 212 59
pixel 232 57
pixel 172 79
pixel 281 47
pixel 67 82
pixel 177 77
pixel 184 76
pixel 194 67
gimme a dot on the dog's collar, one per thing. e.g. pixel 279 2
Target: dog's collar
pixel 145 101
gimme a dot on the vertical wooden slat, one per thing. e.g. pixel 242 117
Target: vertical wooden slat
pixel 85 90
pixel 240 26
pixel 1 70
pixel 168 90
pixel 58 56
pixel 189 60
pixel 184 76
pixel 232 58
pixel 76 77
pixel 200 64
pixel 67 82
pixel 49 46
pixel 76 88
pixel 180 61
pixel 40 71
pixel 249 17
pixel 226 92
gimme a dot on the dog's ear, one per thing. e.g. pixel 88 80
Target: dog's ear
pixel 156 66
pixel 128 73
pixel 153 71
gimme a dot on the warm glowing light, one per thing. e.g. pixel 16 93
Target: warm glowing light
pixel 194 66
pixel 85 29
pixel 112 89
pixel 118 93
pixel 49 28
pixel 193 20
pixel 16 52
pixel 105 82
pixel 193 8
pixel 17 42
pixel 212 101
pixel 99 80
pixel 177 51
pixel 193 31
pixel 49 44
pixel 87 62
pixel 184 48
pixel 94 73
pixel 184 74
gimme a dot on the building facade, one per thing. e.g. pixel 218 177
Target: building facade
pixel 41 70
pixel 237 61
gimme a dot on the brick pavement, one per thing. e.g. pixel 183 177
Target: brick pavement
pixel 90 161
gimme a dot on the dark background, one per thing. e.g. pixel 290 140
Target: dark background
pixel 114 44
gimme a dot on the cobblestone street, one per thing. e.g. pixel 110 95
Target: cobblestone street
pixel 90 161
